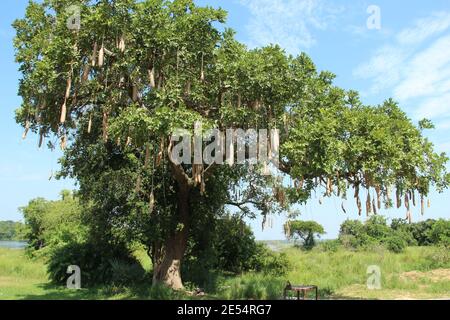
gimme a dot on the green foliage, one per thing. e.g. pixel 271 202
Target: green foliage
pixel 269 262
pixel 376 227
pixel 330 245
pixel 304 230
pixel 395 243
pixel 100 263
pixel 127 272
pixel 51 221
pixel 397 236
pixel 235 244
pixel 229 246
pixel 440 233
pixel 10 230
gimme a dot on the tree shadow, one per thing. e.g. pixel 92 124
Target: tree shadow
pixel 55 292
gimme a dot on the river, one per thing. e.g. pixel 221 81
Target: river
pixel 13 244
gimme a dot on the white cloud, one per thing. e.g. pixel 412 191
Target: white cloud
pixel 443 125
pixel 434 107
pixel 425 28
pixel 427 73
pixel 382 68
pixel 289 23
pixel 416 65
pixel 443 147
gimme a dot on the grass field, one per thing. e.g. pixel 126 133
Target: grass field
pixel 418 273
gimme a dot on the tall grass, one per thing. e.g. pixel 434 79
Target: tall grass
pixel 338 274
pixel 15 263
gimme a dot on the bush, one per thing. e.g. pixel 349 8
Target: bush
pixel 125 273
pixel 330 246
pixel 269 262
pixel 440 233
pixel 395 243
pixel 396 237
pixel 228 246
pixel 421 232
pixel 98 263
pixel 376 227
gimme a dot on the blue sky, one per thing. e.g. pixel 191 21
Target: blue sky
pixel 408 59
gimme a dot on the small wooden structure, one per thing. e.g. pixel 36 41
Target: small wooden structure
pixel 300 289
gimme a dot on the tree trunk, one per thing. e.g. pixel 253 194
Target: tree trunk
pixel 167 262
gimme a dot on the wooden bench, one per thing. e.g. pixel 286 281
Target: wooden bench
pixel 300 289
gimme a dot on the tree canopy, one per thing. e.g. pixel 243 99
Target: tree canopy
pixel 114 91
pixel 306 231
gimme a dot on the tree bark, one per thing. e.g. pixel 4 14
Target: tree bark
pixel 167 263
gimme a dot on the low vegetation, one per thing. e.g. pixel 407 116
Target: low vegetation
pixel 396 237
pixel 417 273
pixel 225 261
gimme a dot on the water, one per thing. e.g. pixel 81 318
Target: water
pixel 13 244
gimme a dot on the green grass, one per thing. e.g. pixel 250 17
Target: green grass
pixel 418 273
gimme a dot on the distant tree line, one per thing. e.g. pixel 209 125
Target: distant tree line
pixel 396 236
pixel 12 231
pixel 355 234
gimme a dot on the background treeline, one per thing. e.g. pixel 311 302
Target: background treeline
pixel 64 232
pixel 375 231
pixel 12 231
pixel 396 236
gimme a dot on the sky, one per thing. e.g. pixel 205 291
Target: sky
pixel 405 54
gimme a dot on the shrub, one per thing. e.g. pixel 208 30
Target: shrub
pixel 376 227
pixel 395 243
pixel 125 273
pixel 94 258
pixel 440 233
pixel 269 262
pixel 421 232
pixel 330 246
pixel 375 232
pixel 228 246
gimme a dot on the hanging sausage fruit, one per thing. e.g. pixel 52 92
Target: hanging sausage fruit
pixel 90 123
pixel 101 56
pixel 422 205
pixel 41 138
pixel 94 55
pixel 399 199
pixel 151 76
pixel 122 44
pixel 86 71
pixel 368 204
pixel 202 71
pixel 105 126
pixel 378 191
pixel 66 96
pixel 27 128
pixel 329 188
pixel 151 203
pixel 63 143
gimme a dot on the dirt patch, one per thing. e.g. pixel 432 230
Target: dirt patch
pixel 433 275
